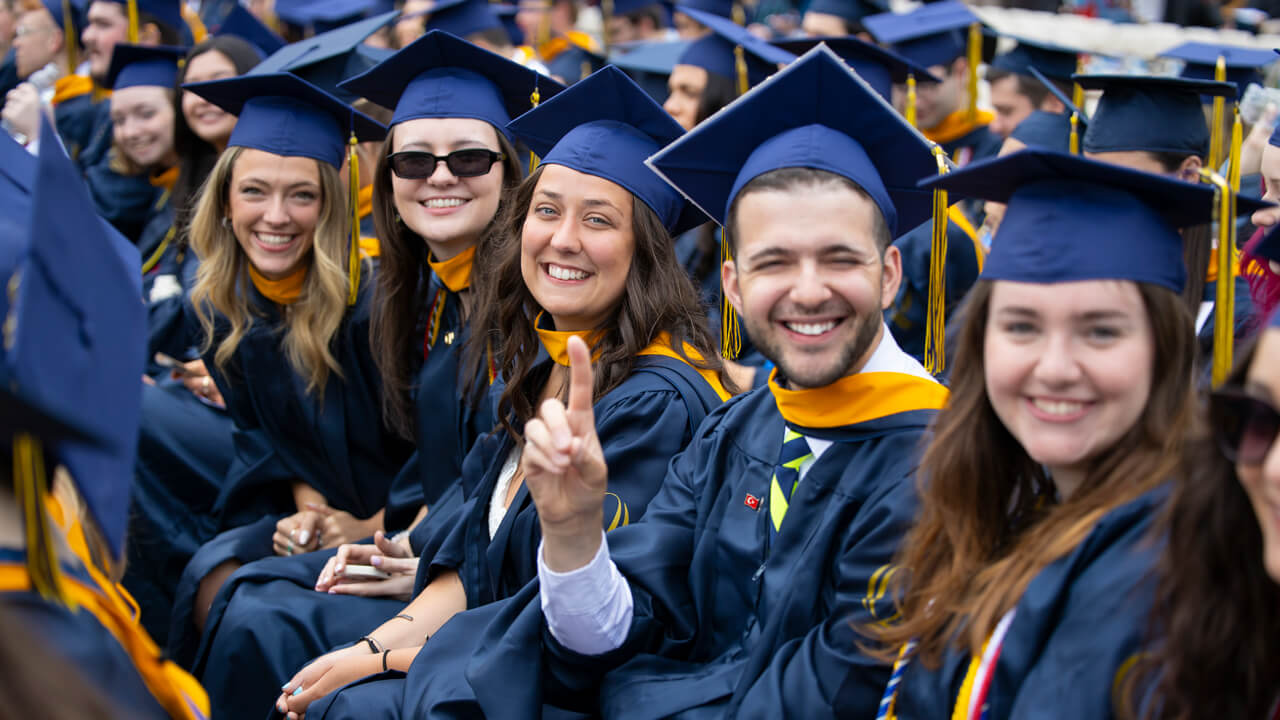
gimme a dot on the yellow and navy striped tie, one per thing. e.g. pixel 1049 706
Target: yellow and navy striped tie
pixel 786 476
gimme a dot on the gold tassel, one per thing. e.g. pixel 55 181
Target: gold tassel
pixel 30 485
pixel 69 37
pixel 133 21
pixel 740 63
pixel 1077 92
pixel 1224 299
pixel 739 14
pixel 935 333
pixel 353 181
pixel 975 59
pixel 534 98
pixel 1073 142
pixel 730 334
pixel 1219 104
pixel 911 100
pixel 1233 158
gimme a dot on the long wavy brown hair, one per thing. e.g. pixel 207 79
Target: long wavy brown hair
pixel 222 281
pixel 403 282
pixel 983 531
pixel 1217 633
pixel 659 297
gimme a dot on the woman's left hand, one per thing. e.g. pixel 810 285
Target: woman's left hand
pixel 320 679
pixel 338 527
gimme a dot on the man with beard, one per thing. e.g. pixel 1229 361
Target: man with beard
pixel 745 589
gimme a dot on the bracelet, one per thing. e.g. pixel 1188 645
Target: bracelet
pixel 374 648
pixel 385 653
pixel 403 616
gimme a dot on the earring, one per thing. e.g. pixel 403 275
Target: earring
pixel 399 220
pixel 226 223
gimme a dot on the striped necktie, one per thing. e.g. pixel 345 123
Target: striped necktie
pixel 786 476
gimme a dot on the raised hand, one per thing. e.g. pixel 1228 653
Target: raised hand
pixel 565 471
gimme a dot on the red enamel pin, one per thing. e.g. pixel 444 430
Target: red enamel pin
pixel 752 502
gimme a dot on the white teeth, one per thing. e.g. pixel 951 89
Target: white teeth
pixel 561 273
pixel 811 328
pixel 274 239
pixel 443 202
pixel 1061 407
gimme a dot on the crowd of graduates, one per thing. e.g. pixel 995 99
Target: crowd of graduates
pixel 630 360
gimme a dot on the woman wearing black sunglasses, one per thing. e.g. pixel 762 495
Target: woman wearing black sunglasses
pixel 447 170
pixel 1217 608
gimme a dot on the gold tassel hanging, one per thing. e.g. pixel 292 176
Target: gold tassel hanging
pixel 1233 157
pixel 739 14
pixel 740 64
pixel 534 98
pixel 133 22
pixel 1216 129
pixel 353 181
pixel 69 37
pixel 1224 298
pixel 730 334
pixel 911 100
pixel 975 59
pixel 30 485
pixel 1073 142
pixel 935 334
pixel 1077 92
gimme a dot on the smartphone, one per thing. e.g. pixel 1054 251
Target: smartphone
pixel 174 365
pixel 364 572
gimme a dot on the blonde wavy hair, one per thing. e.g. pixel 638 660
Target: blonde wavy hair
pixel 223 277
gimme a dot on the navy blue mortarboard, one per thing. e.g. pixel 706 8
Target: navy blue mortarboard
pixel 1054 61
pixel 933 34
pixel 325 15
pixel 1070 218
pixel 606 126
pixel 650 65
pixel 715 52
pixel 57 8
pixel 575 62
pixel 140 65
pixel 244 25
pixel 506 13
pixel 1041 129
pixel 626 7
pixel 1122 120
pixel 76 340
pixel 852 11
pixel 817 113
pixel 1068 104
pixel 285 115
pixel 879 67
pixel 327 59
pixel 1243 64
pixel 442 76
pixel 168 12
pixel 458 17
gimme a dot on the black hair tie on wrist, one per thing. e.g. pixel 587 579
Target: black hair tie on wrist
pixel 385 653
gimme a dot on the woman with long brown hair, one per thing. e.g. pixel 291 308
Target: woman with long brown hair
pixel 588 253
pixel 446 172
pixel 1215 623
pixel 282 298
pixel 1023 588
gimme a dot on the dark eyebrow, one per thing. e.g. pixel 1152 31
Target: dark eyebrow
pixel 589 202
pixel 770 251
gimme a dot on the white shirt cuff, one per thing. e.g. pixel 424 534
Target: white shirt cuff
pixel 588 610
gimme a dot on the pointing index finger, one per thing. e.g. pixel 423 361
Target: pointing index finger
pixel 581 378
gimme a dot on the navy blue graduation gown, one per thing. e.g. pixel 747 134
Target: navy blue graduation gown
pixel 172 327
pixel 75 119
pixel 906 316
pixel 241 633
pixel 642 424
pixel 338 446
pixel 125 201
pixel 1079 622
pixel 724 624
pixel 80 639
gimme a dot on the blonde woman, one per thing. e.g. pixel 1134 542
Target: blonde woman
pixel 283 304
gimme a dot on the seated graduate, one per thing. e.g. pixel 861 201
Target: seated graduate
pixel 1216 632
pixel 738 593
pixel 282 295
pixel 446 172
pixel 588 255
pixel 68 398
pixel 1024 587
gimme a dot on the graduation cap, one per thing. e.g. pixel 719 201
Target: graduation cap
pixel 442 76
pixel 718 52
pixel 879 67
pixel 606 126
pixel 325 15
pixel 933 34
pixel 68 16
pixel 1122 120
pixel 75 348
pixel 817 113
pixel 458 17
pixel 168 12
pixel 1054 61
pixel 575 62
pixel 285 115
pixel 851 11
pixel 143 65
pixel 1048 130
pixel 1241 65
pixel 327 59
pixel 506 13
pixel 650 65
pixel 244 25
